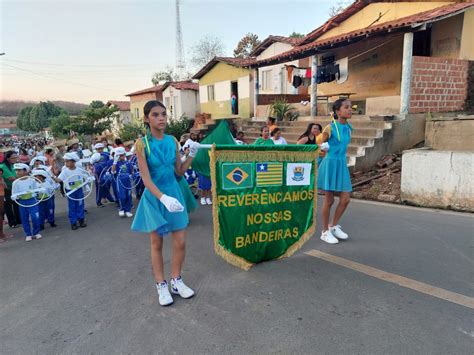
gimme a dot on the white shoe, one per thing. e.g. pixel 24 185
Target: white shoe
pixel 208 201
pixel 129 214
pixel 179 288
pixel 28 239
pixel 328 237
pixel 121 213
pixel 164 295
pixel 338 233
pixel 203 201
pixel 38 236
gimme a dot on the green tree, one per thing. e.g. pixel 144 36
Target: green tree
pixel 23 120
pixel 95 119
pixel 296 35
pixel 246 45
pixel 61 125
pixel 178 127
pixel 164 75
pixel 130 131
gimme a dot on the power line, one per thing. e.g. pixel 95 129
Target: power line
pixel 81 65
pixel 59 79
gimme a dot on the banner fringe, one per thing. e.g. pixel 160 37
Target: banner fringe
pixel 244 156
pixel 219 249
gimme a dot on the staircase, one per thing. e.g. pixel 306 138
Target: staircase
pixel 366 135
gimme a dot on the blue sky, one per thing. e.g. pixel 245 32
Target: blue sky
pixel 84 50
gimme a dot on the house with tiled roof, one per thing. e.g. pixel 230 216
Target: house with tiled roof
pixel 181 99
pixel 123 116
pixel 139 98
pixel 276 81
pixel 226 88
pixel 391 57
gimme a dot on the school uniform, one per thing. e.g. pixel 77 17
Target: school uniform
pixel 75 208
pixel 123 182
pixel 21 191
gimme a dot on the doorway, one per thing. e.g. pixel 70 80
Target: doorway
pixel 234 97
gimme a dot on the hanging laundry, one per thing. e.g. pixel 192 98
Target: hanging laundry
pixel 297 81
pixel 308 73
pixel 289 72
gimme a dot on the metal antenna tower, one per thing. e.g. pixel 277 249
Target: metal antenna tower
pixel 180 61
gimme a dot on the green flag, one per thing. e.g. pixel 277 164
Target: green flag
pixel 264 200
pixel 219 135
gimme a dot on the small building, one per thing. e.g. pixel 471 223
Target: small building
pixel 181 99
pixel 123 116
pixel 138 99
pixel 223 80
pixel 391 57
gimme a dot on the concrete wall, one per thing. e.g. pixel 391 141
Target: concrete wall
pixel 384 105
pixel 450 133
pixel 375 73
pixel 446 37
pixel 435 178
pixel 438 84
pixel 221 76
pixel 467 43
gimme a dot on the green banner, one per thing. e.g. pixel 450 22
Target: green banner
pixel 264 201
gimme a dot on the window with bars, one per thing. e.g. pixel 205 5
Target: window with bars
pixel 267 80
pixel 210 93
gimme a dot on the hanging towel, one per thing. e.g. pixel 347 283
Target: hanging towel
pixel 297 81
pixel 308 73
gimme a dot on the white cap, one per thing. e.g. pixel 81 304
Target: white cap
pixel 39 172
pixel 71 156
pixel 38 158
pixel 98 146
pixel 119 151
pixel 128 154
pixel 21 166
pixel 95 158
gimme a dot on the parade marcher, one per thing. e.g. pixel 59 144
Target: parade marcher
pixel 46 208
pixel 71 176
pixel 123 171
pixel 264 137
pixel 22 191
pixel 333 176
pixel 161 209
pixel 11 208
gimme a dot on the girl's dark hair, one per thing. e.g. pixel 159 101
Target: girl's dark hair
pixel 118 141
pixel 149 106
pixel 320 127
pixel 308 130
pixel 49 150
pixel 275 131
pixel 262 128
pixel 8 156
pixel 272 119
pixel 337 106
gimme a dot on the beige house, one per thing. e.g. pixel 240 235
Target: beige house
pixel 138 99
pixel 181 99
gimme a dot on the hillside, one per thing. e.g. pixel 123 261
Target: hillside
pixel 12 108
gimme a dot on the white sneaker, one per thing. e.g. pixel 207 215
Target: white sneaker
pixel 121 213
pixel 28 239
pixel 179 288
pixel 203 201
pixel 208 201
pixel 164 295
pixel 328 237
pixel 338 233
pixel 129 214
pixel 38 236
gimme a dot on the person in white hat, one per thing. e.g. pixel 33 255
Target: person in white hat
pixel 36 161
pixel 71 176
pixel 123 171
pixel 99 148
pixel 22 191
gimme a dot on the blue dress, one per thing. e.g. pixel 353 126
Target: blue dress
pixel 333 174
pixel 151 214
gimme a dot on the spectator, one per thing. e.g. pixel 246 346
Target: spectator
pixel 9 175
pixel 264 137
pixel 271 124
pixel 277 138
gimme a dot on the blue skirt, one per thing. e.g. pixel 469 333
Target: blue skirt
pixel 204 182
pixel 152 215
pixel 333 175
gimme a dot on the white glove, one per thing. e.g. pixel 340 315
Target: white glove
pixel 324 146
pixel 171 204
pixel 193 149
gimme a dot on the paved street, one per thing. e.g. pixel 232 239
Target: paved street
pixel 92 291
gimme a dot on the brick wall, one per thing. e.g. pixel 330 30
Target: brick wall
pixel 470 88
pixel 438 84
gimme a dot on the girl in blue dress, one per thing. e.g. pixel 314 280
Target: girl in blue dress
pixel 333 175
pixel 162 210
